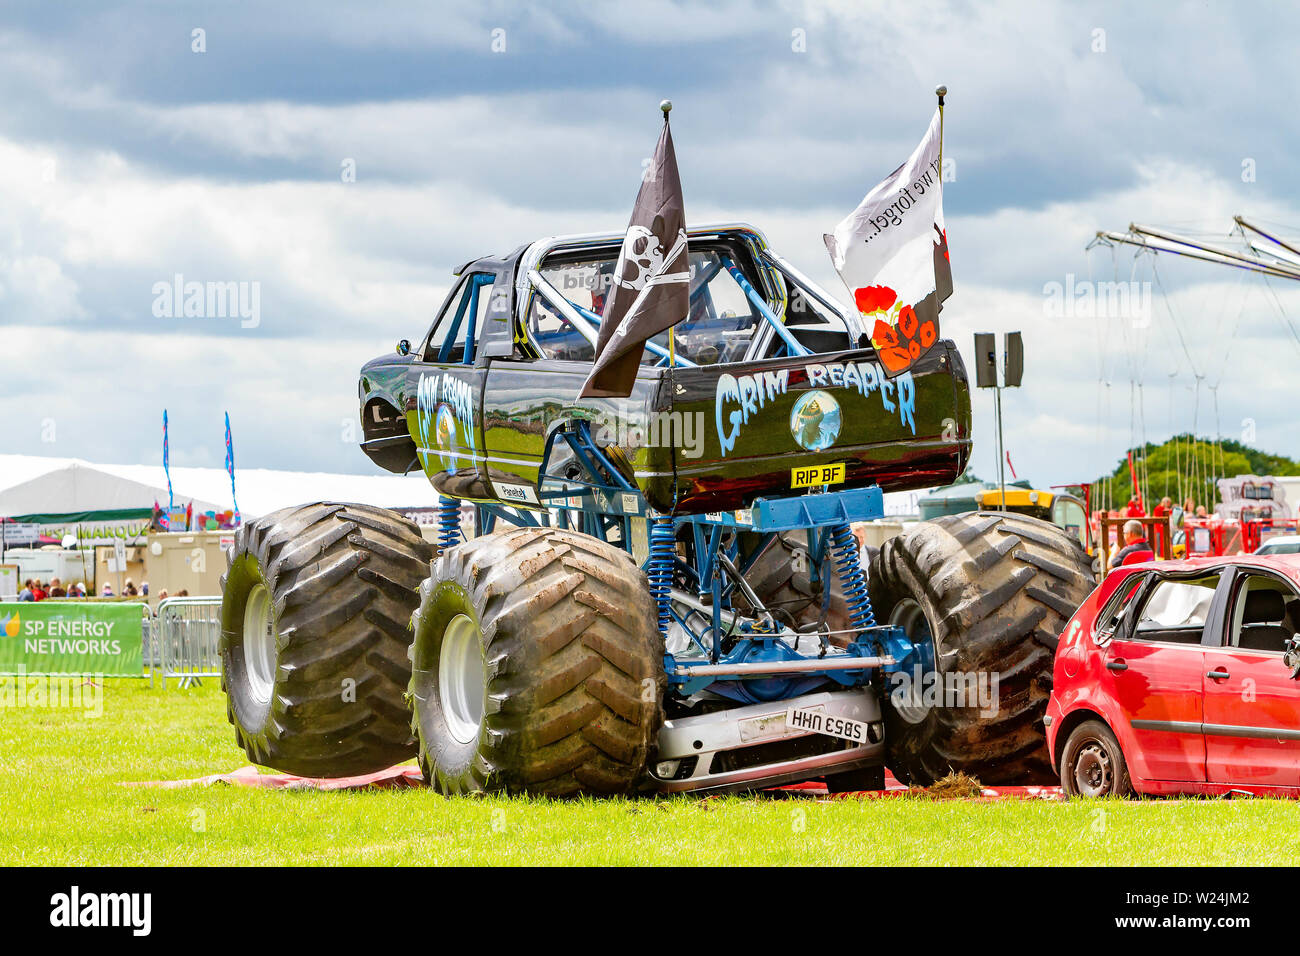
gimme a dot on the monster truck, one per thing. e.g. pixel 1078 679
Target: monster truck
pixel 660 592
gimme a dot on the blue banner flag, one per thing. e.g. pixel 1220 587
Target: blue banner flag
pixel 166 466
pixel 230 467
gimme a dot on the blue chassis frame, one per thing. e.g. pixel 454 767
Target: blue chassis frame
pixel 603 500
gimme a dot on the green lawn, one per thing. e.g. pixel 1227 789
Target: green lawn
pixel 60 776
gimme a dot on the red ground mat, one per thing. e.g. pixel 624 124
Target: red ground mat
pixel 398 777
pixel 393 777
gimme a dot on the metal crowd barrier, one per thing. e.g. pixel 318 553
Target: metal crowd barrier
pixel 182 640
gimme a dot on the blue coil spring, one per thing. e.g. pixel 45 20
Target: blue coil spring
pixel 448 523
pixel 844 552
pixel 663 550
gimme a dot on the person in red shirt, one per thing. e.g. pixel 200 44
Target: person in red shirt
pixel 38 592
pixel 1136 547
pixel 1163 510
pixel 1134 509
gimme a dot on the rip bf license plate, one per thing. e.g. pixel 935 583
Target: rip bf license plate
pixel 816 475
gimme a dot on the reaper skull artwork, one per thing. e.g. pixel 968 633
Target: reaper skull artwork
pixel 642 256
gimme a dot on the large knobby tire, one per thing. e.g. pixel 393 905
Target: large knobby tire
pixel 537 667
pixel 314 636
pixel 993 590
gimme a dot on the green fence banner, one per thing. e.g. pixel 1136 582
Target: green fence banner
pixel 71 637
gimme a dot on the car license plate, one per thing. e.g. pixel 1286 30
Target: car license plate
pixel 757 728
pixel 817 722
pixel 817 475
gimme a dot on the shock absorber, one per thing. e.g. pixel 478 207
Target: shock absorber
pixel 844 551
pixel 448 523
pixel 663 549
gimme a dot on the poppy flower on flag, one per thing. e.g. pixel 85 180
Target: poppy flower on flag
pixel 874 298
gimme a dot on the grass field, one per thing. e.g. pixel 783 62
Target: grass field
pixel 62 803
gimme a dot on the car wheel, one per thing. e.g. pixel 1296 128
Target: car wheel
pixel 1093 765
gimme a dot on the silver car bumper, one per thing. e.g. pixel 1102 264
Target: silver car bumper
pixel 750 747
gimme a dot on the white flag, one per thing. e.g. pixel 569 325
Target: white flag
pixel 892 253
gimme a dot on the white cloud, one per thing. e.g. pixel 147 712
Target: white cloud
pixel 1052 142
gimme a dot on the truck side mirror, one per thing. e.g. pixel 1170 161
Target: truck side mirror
pixel 404 347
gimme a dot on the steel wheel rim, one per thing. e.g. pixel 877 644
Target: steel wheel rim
pixel 461 680
pixel 260 640
pixel 1093 771
pixel 909 615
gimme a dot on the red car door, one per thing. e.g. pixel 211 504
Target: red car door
pixel 1154 669
pixel 1252 704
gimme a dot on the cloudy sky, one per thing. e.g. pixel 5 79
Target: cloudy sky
pixel 133 149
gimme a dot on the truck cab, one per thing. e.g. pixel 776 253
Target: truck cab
pixel 766 386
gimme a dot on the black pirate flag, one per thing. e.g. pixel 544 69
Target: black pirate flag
pixel 651 287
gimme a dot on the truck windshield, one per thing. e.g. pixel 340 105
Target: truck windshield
pixel 717 329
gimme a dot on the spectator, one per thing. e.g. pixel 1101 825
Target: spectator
pixel 1189 506
pixel 26 593
pixel 1201 512
pixel 40 591
pixel 1163 510
pixel 183 592
pixel 162 595
pixel 1134 509
pixel 1135 543
pixel 78 590
pixel 57 590
pixel 144 588
pixel 107 590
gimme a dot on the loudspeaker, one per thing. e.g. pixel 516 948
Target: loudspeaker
pixel 1014 347
pixel 986 361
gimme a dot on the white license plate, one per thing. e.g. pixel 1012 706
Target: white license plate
pixel 815 721
pixel 756 728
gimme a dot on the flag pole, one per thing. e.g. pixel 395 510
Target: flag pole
pixel 941 91
pixel 667 107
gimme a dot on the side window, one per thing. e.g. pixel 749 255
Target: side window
pixel 1265 613
pixel 555 336
pixel 461 322
pixel 1118 609
pixel 1176 610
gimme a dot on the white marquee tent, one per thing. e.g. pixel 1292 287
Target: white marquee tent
pixel 37 485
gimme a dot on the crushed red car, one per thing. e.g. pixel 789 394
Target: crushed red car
pixel 1181 677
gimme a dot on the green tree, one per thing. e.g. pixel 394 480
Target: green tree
pixel 1182 468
